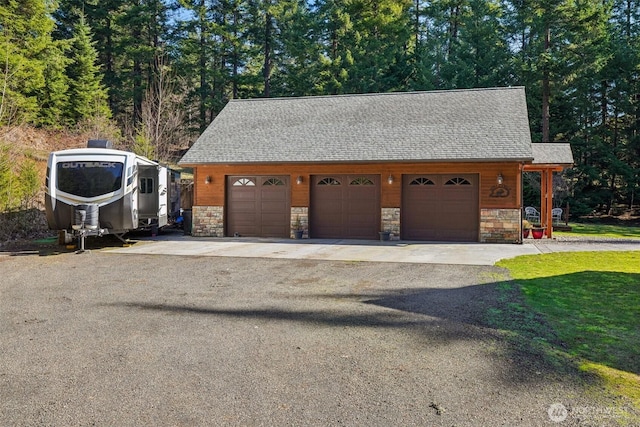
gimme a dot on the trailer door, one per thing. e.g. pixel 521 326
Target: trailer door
pixel 148 201
pixel 163 195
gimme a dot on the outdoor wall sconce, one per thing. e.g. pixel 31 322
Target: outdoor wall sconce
pixel 207 179
pixel 390 179
pixel 500 190
pixel 299 180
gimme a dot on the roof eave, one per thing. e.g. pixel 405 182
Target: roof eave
pixel 558 167
pixel 469 160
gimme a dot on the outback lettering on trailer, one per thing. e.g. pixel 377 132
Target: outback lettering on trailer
pixel 77 165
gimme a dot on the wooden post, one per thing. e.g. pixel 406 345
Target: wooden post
pixel 543 197
pixel 549 203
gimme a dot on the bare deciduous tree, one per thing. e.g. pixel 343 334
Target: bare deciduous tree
pixel 160 128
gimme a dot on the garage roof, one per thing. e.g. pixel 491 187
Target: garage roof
pixel 453 125
pixel 552 153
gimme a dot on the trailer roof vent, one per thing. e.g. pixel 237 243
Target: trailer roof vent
pixel 99 143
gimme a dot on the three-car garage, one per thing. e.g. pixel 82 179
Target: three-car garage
pixel 439 207
pixel 426 165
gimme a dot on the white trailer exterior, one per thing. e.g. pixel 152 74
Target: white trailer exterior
pixel 96 191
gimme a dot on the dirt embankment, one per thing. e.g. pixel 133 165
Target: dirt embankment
pixel 26 220
pixel 31 143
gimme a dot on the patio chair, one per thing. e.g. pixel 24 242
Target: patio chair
pixel 532 215
pixel 556 215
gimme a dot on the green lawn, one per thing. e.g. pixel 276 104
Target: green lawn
pixel 591 301
pixel 600 230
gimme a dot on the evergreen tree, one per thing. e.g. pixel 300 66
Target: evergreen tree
pixel 298 68
pixel 421 60
pixel 337 41
pixel 212 54
pixel 366 45
pixel 87 96
pixel 479 55
pixel 436 33
pixel 603 90
pixel 382 34
pixel 53 97
pixel 24 39
pixel 102 16
pixel 144 27
pixel 193 54
pixel 539 30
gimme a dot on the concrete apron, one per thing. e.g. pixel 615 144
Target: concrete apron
pixel 332 250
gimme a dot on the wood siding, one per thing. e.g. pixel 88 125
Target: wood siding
pixel 507 196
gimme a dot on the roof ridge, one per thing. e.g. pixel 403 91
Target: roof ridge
pixel 373 94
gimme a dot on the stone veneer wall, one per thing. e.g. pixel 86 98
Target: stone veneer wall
pixel 500 226
pixel 208 221
pixel 496 225
pixel 391 221
pixel 301 213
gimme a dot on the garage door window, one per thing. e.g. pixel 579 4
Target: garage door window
pixel 329 181
pixel 361 181
pixel 457 181
pixel 422 181
pixel 244 182
pixel 273 181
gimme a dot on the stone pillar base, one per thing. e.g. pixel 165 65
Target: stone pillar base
pixel 208 221
pixel 500 226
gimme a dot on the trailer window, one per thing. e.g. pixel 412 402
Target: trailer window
pixel 89 178
pixel 146 185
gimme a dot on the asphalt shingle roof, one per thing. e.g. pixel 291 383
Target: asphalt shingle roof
pixel 454 125
pixel 552 153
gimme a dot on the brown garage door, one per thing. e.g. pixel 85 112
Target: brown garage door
pixel 440 207
pixel 258 206
pixel 345 206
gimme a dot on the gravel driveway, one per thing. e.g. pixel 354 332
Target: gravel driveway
pixel 112 339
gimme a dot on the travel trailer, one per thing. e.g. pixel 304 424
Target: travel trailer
pixel 97 190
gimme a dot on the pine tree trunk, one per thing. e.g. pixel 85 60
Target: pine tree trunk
pixel 267 56
pixel 203 69
pixel 546 90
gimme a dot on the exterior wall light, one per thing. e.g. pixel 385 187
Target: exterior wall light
pixel 299 180
pixel 499 179
pixel 207 179
pixel 390 179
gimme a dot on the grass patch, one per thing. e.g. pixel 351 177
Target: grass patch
pixel 624 383
pixel 591 300
pixel 601 230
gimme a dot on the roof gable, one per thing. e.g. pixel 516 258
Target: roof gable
pixel 454 125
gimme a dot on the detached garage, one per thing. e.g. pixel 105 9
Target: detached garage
pixel 440 165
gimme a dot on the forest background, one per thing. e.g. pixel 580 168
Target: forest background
pixel 150 75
